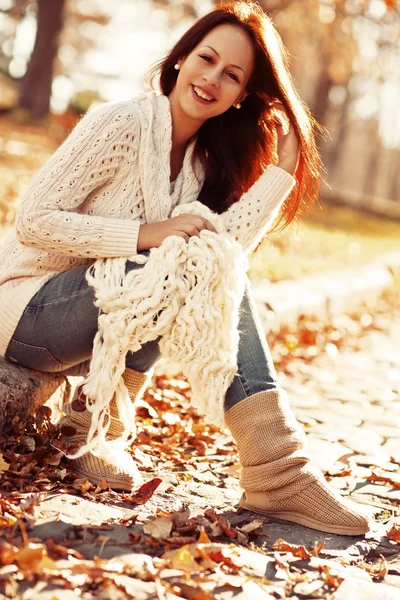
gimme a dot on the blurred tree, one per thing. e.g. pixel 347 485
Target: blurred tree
pixel 36 84
pixel 56 21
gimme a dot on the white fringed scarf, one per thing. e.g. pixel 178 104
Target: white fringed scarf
pixel 188 293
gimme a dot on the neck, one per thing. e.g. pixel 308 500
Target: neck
pixel 183 127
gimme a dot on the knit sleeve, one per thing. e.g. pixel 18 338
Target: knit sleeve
pixel 250 218
pixel 51 216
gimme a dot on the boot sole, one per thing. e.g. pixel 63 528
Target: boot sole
pixel 306 521
pixel 115 484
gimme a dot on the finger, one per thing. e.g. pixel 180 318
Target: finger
pixel 181 234
pixel 190 229
pixel 210 226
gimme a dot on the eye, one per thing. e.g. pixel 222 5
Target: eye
pixel 234 76
pixel 206 58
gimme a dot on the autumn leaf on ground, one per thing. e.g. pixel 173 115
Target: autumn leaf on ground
pixel 394 533
pixel 8 553
pixel 144 493
pixel 34 557
pixel 255 524
pixel 378 570
pixel 3 465
pixel 330 576
pixel 183 559
pixel 391 478
pixel 300 551
pixel 159 528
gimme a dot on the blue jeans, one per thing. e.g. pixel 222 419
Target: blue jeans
pixel 58 326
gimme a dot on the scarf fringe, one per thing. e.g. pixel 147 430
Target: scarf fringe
pixel 189 293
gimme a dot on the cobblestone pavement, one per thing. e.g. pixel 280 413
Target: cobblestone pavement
pixel 349 405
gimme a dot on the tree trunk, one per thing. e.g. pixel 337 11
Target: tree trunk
pixel 321 98
pixel 394 188
pixel 35 90
pixel 23 391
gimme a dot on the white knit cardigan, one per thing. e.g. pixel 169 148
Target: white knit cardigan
pixel 111 175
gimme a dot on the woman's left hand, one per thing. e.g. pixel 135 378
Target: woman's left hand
pixel 288 145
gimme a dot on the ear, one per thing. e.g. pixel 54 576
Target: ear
pixel 242 97
pixel 181 60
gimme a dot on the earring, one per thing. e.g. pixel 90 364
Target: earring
pixel 237 105
pixel 177 67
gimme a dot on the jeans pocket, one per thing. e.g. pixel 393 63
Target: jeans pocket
pixel 32 357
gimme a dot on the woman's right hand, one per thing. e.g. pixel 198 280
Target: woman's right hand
pixel 151 235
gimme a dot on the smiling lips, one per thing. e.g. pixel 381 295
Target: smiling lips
pixel 202 95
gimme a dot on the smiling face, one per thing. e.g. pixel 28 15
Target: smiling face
pixel 214 75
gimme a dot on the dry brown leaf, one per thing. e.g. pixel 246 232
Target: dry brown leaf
pixel 34 558
pixel 62 551
pixel 144 493
pixel 159 529
pixel 190 592
pixel 331 577
pixel 203 537
pixel 377 570
pixel 4 466
pixel 394 533
pixel 297 550
pixel 179 518
pixel 255 524
pixel 210 513
pixel 8 553
pixel 215 529
pixel 183 559
pixel 226 527
pixel 392 479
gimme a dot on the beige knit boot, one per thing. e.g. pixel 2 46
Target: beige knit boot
pixel 74 429
pixel 276 475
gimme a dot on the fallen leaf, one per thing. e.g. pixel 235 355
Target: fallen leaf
pixel 190 592
pixel 297 550
pixel 203 537
pixel 183 559
pixel 210 513
pixel 215 529
pixel 331 577
pixel 159 528
pixel 8 553
pixel 179 518
pixel 62 551
pixel 4 466
pixel 377 570
pixel 380 477
pixel 255 524
pixel 144 493
pixel 394 533
pixel 226 527
pixel 33 557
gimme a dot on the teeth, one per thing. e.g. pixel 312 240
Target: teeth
pixel 202 94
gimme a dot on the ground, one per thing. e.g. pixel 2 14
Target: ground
pixel 182 535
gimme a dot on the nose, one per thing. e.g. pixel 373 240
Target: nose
pixel 212 77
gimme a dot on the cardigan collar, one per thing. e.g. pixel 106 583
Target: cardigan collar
pixel 154 159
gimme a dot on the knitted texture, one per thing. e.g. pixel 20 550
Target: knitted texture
pixel 74 427
pixel 78 417
pixel 187 293
pixel 275 473
pixel 269 442
pixel 125 477
pixel 111 175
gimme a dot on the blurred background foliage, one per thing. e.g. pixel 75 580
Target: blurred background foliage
pixel 60 56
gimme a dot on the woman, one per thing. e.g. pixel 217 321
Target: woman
pixel 212 135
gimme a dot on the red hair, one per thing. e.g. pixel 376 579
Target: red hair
pixel 236 146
